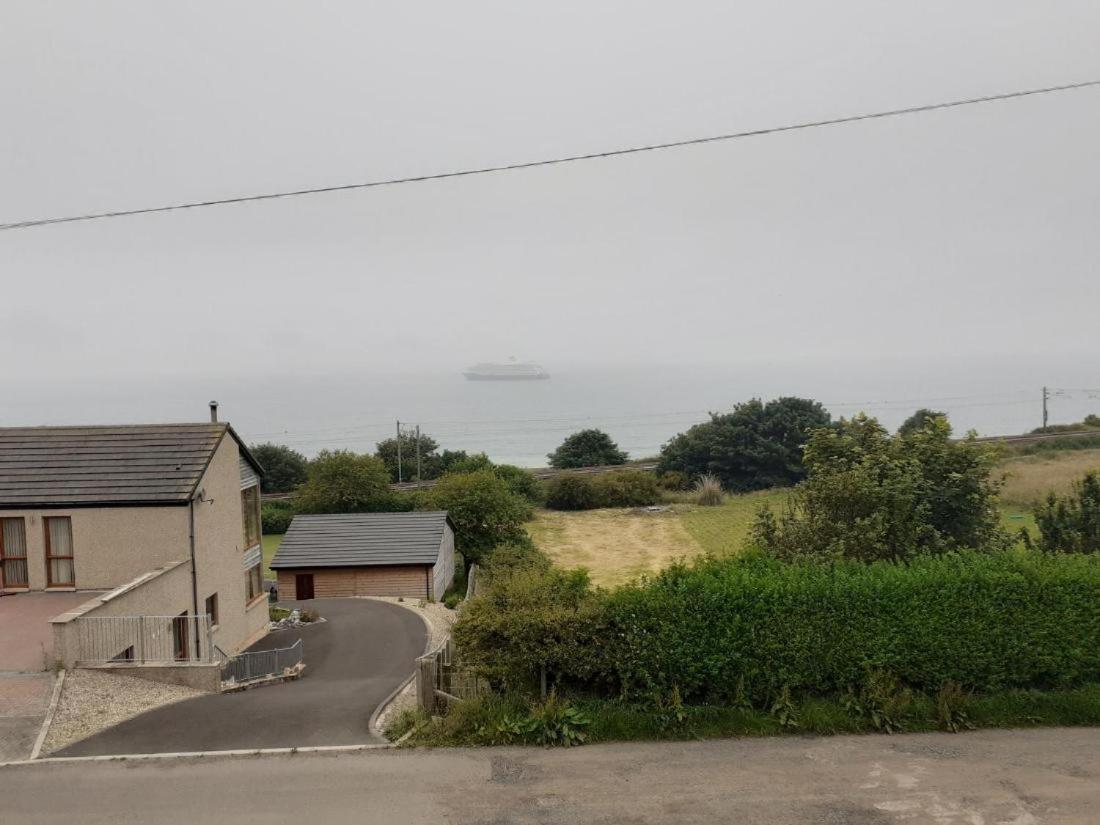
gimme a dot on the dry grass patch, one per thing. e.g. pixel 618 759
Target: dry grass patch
pixel 615 545
pixel 1029 478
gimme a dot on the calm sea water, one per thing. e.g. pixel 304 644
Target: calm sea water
pixel 521 422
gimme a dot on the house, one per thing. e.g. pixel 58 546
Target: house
pixel 367 554
pixel 138 526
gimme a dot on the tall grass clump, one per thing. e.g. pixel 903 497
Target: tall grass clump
pixel 708 491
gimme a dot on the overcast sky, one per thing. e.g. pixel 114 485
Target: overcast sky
pixel 970 232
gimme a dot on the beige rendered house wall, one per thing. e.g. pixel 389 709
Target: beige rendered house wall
pixel 220 552
pixel 111 545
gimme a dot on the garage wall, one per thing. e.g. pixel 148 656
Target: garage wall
pixel 409 580
pixel 443 573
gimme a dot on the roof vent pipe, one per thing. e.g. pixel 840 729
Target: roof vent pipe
pixel 213 412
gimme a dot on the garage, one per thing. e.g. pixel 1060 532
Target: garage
pixel 366 554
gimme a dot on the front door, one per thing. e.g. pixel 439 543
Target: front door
pixel 303 586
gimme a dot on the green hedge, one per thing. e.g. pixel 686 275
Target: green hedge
pixel 722 629
pixel 619 488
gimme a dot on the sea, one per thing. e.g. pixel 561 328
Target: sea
pixel 520 422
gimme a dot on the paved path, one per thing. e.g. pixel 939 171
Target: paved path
pixel 1036 777
pixel 24 699
pixel 353 662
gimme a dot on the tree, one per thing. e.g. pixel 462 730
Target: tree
pixel 519 480
pixel 754 447
pixel 587 448
pixel 919 420
pixel 1071 523
pixel 341 481
pixel 284 468
pixel 871 496
pixel 484 510
pixel 431 463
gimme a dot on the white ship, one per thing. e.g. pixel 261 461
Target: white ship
pixel 511 371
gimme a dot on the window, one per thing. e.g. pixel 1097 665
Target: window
pixel 250 512
pixel 212 609
pixel 59 552
pixel 254 581
pixel 13 553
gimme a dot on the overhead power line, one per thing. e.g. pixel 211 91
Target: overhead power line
pixel 531 164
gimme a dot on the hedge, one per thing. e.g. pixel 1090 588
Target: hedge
pixel 715 629
pixel 619 488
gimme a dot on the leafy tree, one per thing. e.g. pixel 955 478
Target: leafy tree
pixel 519 481
pixel 484 510
pixel 919 420
pixel 587 448
pixel 754 447
pixel 431 462
pixel 460 462
pixel 341 481
pixel 1071 523
pixel 870 496
pixel 284 468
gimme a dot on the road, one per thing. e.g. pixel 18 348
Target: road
pixel 1037 777
pixel 354 660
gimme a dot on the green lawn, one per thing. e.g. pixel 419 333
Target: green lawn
pixel 271 544
pixel 723 529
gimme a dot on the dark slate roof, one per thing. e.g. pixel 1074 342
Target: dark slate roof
pixel 149 464
pixel 361 539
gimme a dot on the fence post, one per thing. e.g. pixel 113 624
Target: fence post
pixel 425 683
pixel 141 639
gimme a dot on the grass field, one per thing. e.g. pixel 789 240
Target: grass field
pixel 271 544
pixel 618 545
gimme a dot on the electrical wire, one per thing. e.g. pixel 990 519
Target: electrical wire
pixel 531 164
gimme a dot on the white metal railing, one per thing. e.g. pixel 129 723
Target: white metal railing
pixel 258 664
pixel 144 639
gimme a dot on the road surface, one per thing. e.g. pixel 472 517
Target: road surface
pixel 1037 777
pixel 354 660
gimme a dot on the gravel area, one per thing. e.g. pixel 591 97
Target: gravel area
pixel 92 700
pixel 439 619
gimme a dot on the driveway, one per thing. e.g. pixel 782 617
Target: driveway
pixel 353 662
pixel 29 648
pixel 1026 777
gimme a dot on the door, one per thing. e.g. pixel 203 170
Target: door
pixel 179 637
pixel 303 586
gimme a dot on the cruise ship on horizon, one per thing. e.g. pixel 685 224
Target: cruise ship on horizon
pixel 511 371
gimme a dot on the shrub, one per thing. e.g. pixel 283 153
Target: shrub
pixel 872 496
pixel 484 510
pixel 708 491
pixel 626 488
pixel 754 447
pixel 515 555
pixel 919 420
pixel 571 491
pixel 341 481
pixel 284 468
pixel 587 448
pixel 1072 523
pixel 521 482
pixel 275 519
pixel 748 627
pixel 674 481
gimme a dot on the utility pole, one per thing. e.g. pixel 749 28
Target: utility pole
pixel 1046 395
pixel 399 451
pixel 418 456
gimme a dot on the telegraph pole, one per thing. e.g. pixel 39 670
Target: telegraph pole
pixel 418 456
pixel 1046 395
pixel 399 451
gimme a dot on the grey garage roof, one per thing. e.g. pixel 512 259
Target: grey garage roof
pixel 136 464
pixel 361 539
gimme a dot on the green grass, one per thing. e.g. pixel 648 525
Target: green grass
pixel 476 721
pixel 271 544
pixel 722 530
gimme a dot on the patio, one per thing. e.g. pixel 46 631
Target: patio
pixel 26 645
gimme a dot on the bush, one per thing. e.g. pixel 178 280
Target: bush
pixel 484 510
pixel 708 491
pixel 755 447
pixel 341 481
pixel 275 519
pixel 587 448
pixel 674 481
pixel 873 496
pixel 571 491
pixel 626 488
pixel 752 626
pixel 1072 523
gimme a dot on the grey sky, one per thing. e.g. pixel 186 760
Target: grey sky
pixel 966 232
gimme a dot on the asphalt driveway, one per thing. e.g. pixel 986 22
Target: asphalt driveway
pixel 353 662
